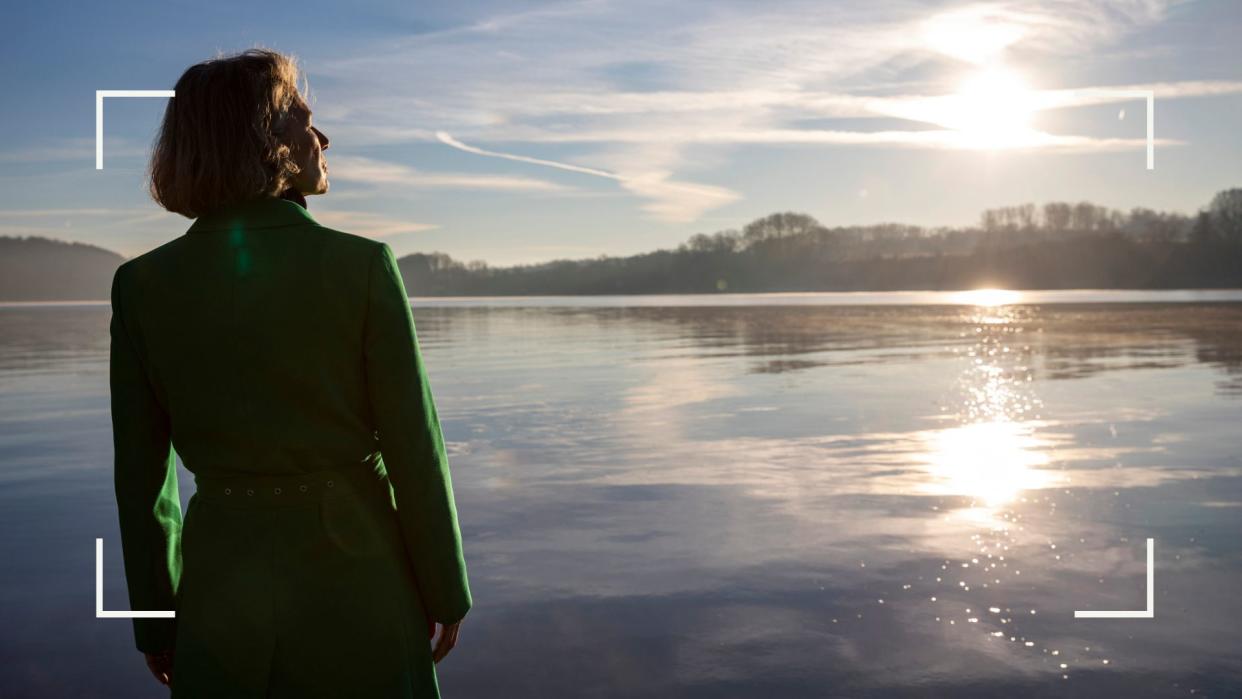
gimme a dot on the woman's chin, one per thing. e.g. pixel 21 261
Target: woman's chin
pixel 319 187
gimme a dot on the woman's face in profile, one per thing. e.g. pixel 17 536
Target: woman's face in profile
pixel 307 144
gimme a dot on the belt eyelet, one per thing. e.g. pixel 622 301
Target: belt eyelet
pixel 277 491
pixel 228 491
pixel 302 488
pixel 331 484
pixel 250 491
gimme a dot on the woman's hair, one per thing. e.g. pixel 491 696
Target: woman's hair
pixel 218 144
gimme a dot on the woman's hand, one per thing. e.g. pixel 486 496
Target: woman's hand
pixel 161 665
pixel 448 639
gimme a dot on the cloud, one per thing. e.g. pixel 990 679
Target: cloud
pixel 671 200
pixel 950 139
pixel 67 149
pixel 726 74
pixel 981 33
pixel 368 223
pixel 1087 96
pixel 379 172
pixel 973 34
pixel 56 213
pixel 674 201
pixel 18 220
pixel 449 140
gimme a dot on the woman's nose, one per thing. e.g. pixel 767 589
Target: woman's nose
pixel 323 140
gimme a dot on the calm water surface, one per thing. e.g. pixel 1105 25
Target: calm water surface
pixel 785 495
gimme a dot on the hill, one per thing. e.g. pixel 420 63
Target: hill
pixel 42 269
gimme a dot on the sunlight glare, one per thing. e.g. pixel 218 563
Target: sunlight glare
pixel 992 109
pixel 972 34
pixel 986 297
pixel 989 461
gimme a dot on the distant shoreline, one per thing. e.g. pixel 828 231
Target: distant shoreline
pixel 1059 246
pixel 885 297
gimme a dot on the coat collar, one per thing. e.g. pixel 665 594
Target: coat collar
pixel 264 212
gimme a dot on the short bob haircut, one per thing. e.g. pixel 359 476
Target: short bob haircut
pixel 219 142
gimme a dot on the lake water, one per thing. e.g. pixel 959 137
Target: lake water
pixel 790 495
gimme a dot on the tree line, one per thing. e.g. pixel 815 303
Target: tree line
pixel 1054 246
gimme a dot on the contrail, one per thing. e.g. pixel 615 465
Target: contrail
pixel 672 201
pixel 447 139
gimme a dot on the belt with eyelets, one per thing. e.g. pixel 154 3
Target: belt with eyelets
pixel 243 490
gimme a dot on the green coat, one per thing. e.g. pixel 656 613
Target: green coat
pixel 279 358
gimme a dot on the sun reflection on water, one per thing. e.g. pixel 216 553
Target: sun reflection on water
pixel 991 462
pixel 995 453
pixel 986 462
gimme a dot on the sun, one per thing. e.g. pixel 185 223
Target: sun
pixel 991 109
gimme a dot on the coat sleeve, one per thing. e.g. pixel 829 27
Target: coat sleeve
pixel 145 478
pixel 411 443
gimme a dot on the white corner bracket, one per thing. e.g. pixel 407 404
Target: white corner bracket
pixel 1150 612
pixel 1151 165
pixel 100 612
pixel 99 98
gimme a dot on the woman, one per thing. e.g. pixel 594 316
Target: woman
pixel 279 358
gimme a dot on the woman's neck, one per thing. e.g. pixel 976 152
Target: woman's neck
pixel 294 196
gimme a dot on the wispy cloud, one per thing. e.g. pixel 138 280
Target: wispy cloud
pixel 642 86
pixel 368 223
pixel 801 105
pixel 670 200
pixel 40 221
pixel 1112 94
pixel 380 172
pixel 983 33
pixel 58 213
pixel 69 149
pixel 447 139
pixel 931 138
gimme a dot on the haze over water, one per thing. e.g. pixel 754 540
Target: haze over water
pixel 775 495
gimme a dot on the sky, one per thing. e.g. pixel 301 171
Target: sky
pixel 518 131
